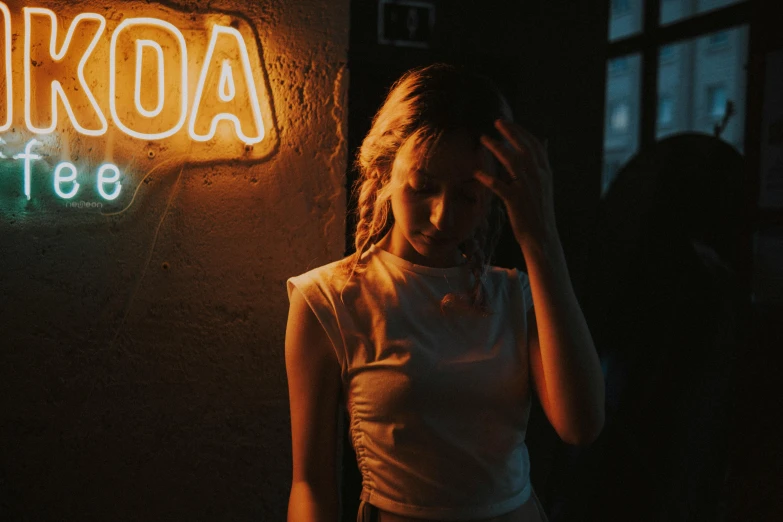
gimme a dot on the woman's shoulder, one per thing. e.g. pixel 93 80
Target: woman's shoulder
pixel 511 279
pixel 500 273
pixel 328 273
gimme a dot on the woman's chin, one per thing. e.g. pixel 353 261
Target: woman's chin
pixel 438 252
pixel 439 245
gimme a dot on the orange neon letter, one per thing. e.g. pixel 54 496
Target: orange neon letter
pixel 148 90
pixel 6 78
pixel 226 90
pixel 51 73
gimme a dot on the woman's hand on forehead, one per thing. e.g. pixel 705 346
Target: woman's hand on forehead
pixel 525 185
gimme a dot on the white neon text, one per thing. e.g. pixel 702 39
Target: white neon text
pixel 234 107
pixel 166 26
pixel 146 107
pixel 103 179
pixel 59 179
pixel 140 45
pixel 8 77
pixel 57 57
pixel 27 158
pixel 108 174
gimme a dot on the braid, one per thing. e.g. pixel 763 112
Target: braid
pixel 476 298
pixel 365 210
pixel 479 266
pixel 372 213
pixel 479 250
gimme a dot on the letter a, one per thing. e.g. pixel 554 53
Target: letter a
pixel 51 74
pixel 226 90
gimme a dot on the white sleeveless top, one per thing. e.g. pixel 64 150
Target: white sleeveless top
pixel 438 404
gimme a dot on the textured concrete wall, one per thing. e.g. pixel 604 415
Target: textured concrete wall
pixel 141 355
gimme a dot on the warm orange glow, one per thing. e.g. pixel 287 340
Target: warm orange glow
pixel 230 96
pixel 6 77
pixel 57 73
pixel 193 83
pixel 125 97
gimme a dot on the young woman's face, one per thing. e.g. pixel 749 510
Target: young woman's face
pixel 436 202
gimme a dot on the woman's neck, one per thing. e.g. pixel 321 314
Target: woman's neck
pixel 394 242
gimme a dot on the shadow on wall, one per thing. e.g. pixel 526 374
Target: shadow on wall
pixel 663 305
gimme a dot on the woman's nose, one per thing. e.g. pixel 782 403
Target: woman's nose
pixel 442 213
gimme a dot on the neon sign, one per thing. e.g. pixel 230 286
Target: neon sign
pixel 148 82
pixel 107 185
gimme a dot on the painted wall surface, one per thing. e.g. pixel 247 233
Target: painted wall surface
pixel 142 370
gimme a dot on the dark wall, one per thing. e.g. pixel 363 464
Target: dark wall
pixel 755 479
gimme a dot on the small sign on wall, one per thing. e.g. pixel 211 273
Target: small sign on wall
pixel 405 23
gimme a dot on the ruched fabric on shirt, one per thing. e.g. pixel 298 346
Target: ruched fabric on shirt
pixel 438 402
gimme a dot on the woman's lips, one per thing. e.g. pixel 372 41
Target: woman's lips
pixel 437 240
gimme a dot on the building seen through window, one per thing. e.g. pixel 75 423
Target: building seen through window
pixel 696 80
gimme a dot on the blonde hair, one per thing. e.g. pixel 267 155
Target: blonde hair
pixel 422 106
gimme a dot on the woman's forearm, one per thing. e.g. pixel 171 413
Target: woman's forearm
pixel 573 376
pixel 313 504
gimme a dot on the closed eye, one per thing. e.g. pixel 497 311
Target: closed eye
pixel 424 188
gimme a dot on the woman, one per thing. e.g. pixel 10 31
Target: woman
pixel 429 347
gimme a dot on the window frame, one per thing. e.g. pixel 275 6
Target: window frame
pixel 653 36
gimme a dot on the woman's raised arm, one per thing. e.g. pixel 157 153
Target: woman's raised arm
pixel 565 366
pixel 313 390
